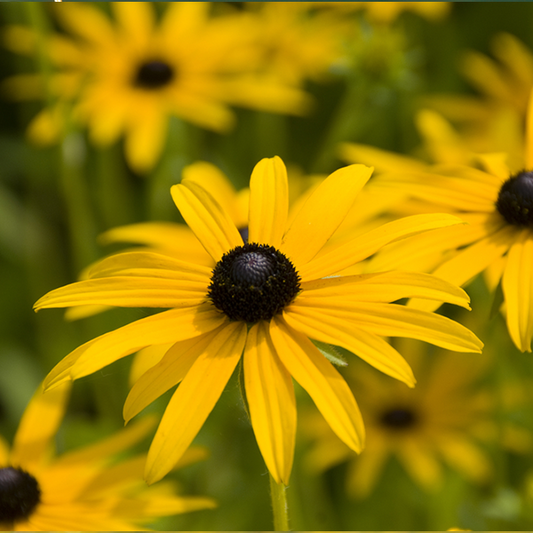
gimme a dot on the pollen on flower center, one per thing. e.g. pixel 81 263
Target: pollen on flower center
pixel 153 75
pixel 253 282
pixel 398 418
pixel 19 494
pixel 515 200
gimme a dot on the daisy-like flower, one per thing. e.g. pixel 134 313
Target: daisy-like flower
pixel 265 301
pixel 497 204
pixel 82 489
pixel 450 418
pixel 190 64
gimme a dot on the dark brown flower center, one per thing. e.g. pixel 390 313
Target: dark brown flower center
pixel 253 282
pixel 515 200
pixel 19 494
pixel 153 75
pixel 398 419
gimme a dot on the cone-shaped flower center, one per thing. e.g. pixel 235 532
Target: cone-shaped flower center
pixel 153 75
pixel 253 282
pixel 19 494
pixel 398 419
pixel 515 200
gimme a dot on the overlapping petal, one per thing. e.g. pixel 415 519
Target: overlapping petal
pixel 323 212
pixel 517 285
pixel 344 254
pixel 194 400
pixel 168 372
pixel 269 202
pixel 211 225
pixel 319 378
pixel 271 400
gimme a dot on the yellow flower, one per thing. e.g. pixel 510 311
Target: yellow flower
pixel 496 203
pixel 268 298
pixel 448 418
pixel 190 64
pixel 387 12
pixel 82 489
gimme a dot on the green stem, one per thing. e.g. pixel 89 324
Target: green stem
pixel 278 494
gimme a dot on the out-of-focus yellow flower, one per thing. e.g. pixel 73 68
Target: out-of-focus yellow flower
pixel 129 75
pixel 82 489
pixel 497 205
pixel 262 301
pixel 448 418
pixel 388 12
pixel 297 44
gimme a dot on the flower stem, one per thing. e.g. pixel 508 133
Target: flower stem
pixel 278 494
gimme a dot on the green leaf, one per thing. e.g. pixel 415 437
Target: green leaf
pixel 331 353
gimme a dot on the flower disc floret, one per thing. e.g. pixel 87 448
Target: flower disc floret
pixel 515 199
pixel 398 418
pixel 153 75
pixel 19 494
pixel 253 282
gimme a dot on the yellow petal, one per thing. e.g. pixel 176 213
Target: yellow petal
pixel 213 179
pixel 391 320
pixel 323 212
pixel 270 395
pixel 194 400
pixel 39 424
pixel 341 256
pixel 212 226
pixel 366 345
pixel 385 287
pixel 148 264
pixel 517 285
pixel 168 372
pixel 269 202
pixel 87 22
pixel 145 136
pixel 125 291
pixel 106 448
pixel 136 20
pixel 166 327
pixel 420 462
pixel 528 155
pixel 323 383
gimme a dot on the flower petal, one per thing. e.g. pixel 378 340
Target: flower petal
pixel 168 372
pixel 385 287
pixel 517 285
pixel 321 380
pixel 323 212
pixel 270 395
pixel 366 345
pixel 269 202
pixel 124 291
pixel 212 226
pixel 391 320
pixel 136 20
pixel 38 425
pixel 166 327
pixel 344 254
pixel 194 400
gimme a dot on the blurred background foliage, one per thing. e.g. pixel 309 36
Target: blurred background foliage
pixel 56 200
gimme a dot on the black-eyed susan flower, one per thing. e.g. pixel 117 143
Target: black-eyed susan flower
pixel 451 419
pixel 189 64
pixel 83 489
pixel 265 302
pixel 496 203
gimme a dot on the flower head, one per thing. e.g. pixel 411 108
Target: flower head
pixel 83 489
pixel 190 64
pixel 264 301
pixel 447 419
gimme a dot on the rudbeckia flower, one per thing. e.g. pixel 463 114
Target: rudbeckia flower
pixel 263 302
pixel 496 202
pixel 449 419
pixel 128 76
pixel 85 488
